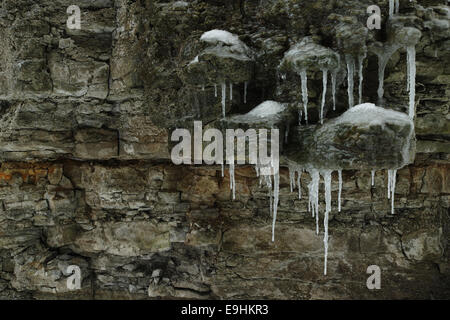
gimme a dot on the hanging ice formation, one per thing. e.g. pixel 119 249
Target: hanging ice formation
pixel 411 62
pixel 350 72
pixel 361 58
pixel 392 174
pixel 224 88
pixel 215 90
pixel 333 87
pixel 231 91
pixel 313 188
pixel 324 92
pixel 327 180
pixel 304 79
pixel 340 190
pixel 232 178
pixel 270 170
pixel 394 7
pixel 276 192
pixel 383 58
pixel 313 200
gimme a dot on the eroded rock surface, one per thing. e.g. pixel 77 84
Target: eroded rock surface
pixel 86 179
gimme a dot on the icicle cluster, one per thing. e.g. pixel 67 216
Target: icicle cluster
pixel 295 171
pixel 313 189
pixel 392 174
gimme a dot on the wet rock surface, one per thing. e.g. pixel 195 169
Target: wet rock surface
pixel 86 178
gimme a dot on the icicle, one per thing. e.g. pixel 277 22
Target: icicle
pixel 361 75
pixel 389 183
pixel 340 190
pixel 245 91
pixel 392 177
pixel 223 98
pixel 222 170
pixel 300 114
pixel 203 87
pixel 313 188
pixel 324 92
pixel 397 6
pixel 391 7
pixel 411 57
pixel 299 174
pixel 327 180
pixel 276 192
pixel 393 182
pixel 215 90
pixel 373 178
pixel 231 91
pixel 291 178
pixel 383 58
pixel 304 79
pixel 333 88
pixel 350 72
pixel 232 179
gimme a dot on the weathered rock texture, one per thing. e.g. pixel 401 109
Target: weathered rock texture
pixel 86 178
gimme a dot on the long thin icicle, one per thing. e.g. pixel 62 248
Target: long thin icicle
pixel 327 180
pixel 340 190
pixel 389 183
pixel 215 90
pixel 224 88
pixel 232 180
pixel 333 88
pixel 324 92
pixel 304 79
pixel 391 7
pixel 276 192
pixel 291 178
pixel 231 91
pixel 411 61
pixel 361 76
pixel 373 178
pixel 350 73
pixel 313 188
pixel 299 175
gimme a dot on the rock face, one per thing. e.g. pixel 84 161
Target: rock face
pixel 86 177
